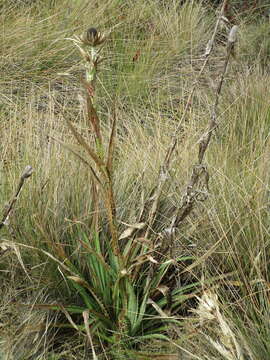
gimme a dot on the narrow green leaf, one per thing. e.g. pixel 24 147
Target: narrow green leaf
pixel 100 164
pixel 97 303
pixel 132 304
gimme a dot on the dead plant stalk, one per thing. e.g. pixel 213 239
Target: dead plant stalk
pixel 8 210
pixel 164 169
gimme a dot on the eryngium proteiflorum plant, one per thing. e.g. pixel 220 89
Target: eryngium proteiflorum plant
pixel 129 301
pixel 128 285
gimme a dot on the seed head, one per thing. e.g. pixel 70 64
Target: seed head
pixel 92 37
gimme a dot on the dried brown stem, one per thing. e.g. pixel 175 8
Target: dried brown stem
pixel 200 172
pixel 207 54
pixel 205 139
pixel 163 173
pixel 7 212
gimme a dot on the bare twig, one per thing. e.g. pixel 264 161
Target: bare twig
pixel 163 173
pixel 7 212
pixel 205 139
pixel 200 172
pixel 207 54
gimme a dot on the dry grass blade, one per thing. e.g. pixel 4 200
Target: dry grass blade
pixel 95 207
pixel 78 280
pixel 86 323
pixel 69 317
pixel 12 245
pixel 111 210
pixel 93 172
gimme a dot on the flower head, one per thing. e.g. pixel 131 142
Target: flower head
pixel 92 37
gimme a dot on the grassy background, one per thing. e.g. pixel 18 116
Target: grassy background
pixel 229 232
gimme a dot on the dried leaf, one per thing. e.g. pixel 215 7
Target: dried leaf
pixel 163 289
pixel 4 247
pixel 233 34
pixel 151 259
pixel 11 245
pixel 86 323
pixel 131 229
pixel 92 115
pixel 157 308
pixel 78 280
pixel 207 306
pixel 143 240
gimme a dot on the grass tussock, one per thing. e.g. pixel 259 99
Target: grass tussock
pixel 143 231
